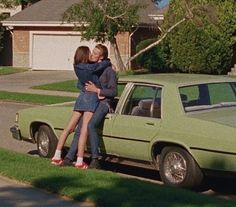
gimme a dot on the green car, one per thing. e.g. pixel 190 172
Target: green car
pixel 182 125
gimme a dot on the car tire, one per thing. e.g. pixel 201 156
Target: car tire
pixel 46 142
pixel 179 169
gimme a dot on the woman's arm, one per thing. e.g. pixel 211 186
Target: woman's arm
pixel 95 67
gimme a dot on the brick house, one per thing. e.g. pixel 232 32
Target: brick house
pixel 42 42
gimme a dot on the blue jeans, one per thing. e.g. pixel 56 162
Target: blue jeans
pixel 96 119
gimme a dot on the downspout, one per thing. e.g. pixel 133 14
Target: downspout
pixel 10 28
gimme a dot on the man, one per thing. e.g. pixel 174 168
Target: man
pixel 108 81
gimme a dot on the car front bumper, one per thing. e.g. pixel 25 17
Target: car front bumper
pixel 15 133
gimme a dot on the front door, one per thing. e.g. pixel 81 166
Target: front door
pixel 136 124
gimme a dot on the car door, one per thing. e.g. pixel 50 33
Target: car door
pixel 135 124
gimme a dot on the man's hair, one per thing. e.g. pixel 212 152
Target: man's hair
pixel 81 55
pixel 103 49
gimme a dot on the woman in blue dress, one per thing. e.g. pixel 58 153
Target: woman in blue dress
pixel 85 104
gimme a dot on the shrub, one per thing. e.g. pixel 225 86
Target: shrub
pixel 155 59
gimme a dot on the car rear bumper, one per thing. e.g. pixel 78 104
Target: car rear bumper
pixel 15 133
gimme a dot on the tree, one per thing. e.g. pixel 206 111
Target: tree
pixel 13 3
pixel 200 35
pixel 205 43
pixel 106 18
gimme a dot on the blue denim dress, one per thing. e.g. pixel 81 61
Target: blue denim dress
pixel 88 101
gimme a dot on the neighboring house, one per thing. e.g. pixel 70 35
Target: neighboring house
pixel 10 12
pixel 6 52
pixel 42 42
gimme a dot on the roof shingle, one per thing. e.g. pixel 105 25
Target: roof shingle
pixel 52 11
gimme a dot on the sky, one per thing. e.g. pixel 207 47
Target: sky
pixel 163 3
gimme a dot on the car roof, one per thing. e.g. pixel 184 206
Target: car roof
pixel 178 79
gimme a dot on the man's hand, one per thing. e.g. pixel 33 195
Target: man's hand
pixel 91 87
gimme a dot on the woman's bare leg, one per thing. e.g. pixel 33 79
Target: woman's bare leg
pixel 83 137
pixel 68 130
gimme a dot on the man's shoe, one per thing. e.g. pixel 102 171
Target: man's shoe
pixel 94 164
pixel 67 162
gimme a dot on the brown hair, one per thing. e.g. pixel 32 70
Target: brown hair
pixel 81 55
pixel 103 49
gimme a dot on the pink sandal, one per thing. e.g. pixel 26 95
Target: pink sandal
pixel 82 167
pixel 56 162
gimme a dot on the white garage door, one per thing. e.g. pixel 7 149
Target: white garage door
pixel 55 52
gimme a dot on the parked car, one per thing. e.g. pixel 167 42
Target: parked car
pixel 183 125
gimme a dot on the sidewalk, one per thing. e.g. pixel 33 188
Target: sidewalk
pixel 13 193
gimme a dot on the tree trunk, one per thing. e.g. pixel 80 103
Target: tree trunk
pixel 155 43
pixel 119 61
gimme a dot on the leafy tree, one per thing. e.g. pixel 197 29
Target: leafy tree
pixel 106 18
pixel 13 3
pixel 204 44
pixel 155 60
pixel 199 35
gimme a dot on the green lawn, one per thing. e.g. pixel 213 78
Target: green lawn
pixel 104 188
pixel 33 98
pixel 69 85
pixel 11 70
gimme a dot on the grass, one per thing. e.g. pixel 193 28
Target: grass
pixel 69 86
pixel 33 98
pixel 103 188
pixel 11 70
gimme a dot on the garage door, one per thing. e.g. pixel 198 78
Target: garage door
pixel 55 52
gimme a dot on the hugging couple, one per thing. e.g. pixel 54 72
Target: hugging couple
pixel 97 82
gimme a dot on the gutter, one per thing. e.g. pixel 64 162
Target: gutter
pixel 38 24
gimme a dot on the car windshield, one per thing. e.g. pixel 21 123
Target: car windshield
pixel 208 96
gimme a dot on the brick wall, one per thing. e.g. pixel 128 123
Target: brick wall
pixel 21 48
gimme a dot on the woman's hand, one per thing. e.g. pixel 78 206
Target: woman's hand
pixel 91 87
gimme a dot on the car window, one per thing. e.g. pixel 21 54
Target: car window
pixel 120 88
pixel 208 96
pixel 143 101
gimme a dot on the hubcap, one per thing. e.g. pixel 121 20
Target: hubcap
pixel 43 144
pixel 175 167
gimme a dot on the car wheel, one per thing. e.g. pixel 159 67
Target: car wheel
pixel 46 142
pixel 178 168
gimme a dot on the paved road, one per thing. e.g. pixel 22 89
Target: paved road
pixel 7 117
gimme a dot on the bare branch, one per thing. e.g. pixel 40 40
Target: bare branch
pixel 115 17
pixel 157 42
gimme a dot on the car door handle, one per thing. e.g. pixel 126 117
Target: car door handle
pixel 108 116
pixel 150 123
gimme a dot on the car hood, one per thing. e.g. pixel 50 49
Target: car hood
pixel 222 116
